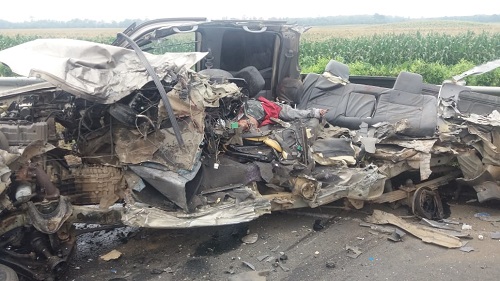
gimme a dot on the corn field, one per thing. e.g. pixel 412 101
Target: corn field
pixel 396 49
pixel 437 56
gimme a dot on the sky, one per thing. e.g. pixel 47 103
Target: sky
pixel 111 10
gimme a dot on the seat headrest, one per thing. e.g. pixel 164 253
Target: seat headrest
pixel 409 82
pixel 338 69
pixel 253 78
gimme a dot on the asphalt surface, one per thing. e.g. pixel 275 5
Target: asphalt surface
pixel 289 248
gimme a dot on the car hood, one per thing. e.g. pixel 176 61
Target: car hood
pixel 96 72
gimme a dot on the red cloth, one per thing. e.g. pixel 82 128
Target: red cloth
pixel 271 109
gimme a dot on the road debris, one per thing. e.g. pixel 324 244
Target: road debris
pixel 318 225
pixel 450 221
pixel 378 228
pixel 230 270
pixel 466 248
pixel 113 255
pixel 352 251
pixel 157 271
pixel 397 235
pixel 426 234
pixel 250 276
pixel 495 235
pixel 251 266
pixel 263 257
pixel 490 218
pixel 466 227
pixel 330 264
pixel 482 214
pixel 250 238
pixel 436 224
pixel 285 269
pixel 270 259
pixel 283 256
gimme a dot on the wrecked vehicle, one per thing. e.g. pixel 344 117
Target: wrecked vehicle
pixel 114 135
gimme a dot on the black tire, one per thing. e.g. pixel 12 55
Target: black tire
pixel 7 274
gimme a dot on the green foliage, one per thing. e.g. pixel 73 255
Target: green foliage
pixel 436 56
pixel 399 48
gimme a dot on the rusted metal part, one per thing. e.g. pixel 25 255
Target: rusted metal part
pixel 41 257
pixel 49 190
pixel 392 196
pixel 11 222
pixel 306 187
pixel 48 217
pixel 85 214
pixel 55 263
pixel 423 198
pixel 96 185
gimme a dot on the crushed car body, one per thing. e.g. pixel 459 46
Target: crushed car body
pixel 115 135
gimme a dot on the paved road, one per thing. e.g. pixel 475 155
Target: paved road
pixel 217 253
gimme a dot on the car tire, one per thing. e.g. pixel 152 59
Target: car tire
pixel 7 274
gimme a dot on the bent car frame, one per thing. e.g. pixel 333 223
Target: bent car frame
pixel 115 135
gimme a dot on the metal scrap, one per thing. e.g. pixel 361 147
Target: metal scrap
pixel 436 224
pixel 427 235
pixel 397 235
pixel 251 266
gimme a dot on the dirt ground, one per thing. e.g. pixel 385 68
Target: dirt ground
pixel 288 248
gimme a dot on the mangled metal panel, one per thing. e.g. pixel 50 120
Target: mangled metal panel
pixel 93 71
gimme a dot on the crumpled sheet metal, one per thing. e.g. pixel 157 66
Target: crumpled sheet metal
pixel 171 184
pixel 426 234
pixel 334 152
pixel 160 147
pixel 489 146
pixel 493 119
pixel 424 147
pixel 353 183
pixel 224 214
pixel 97 72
